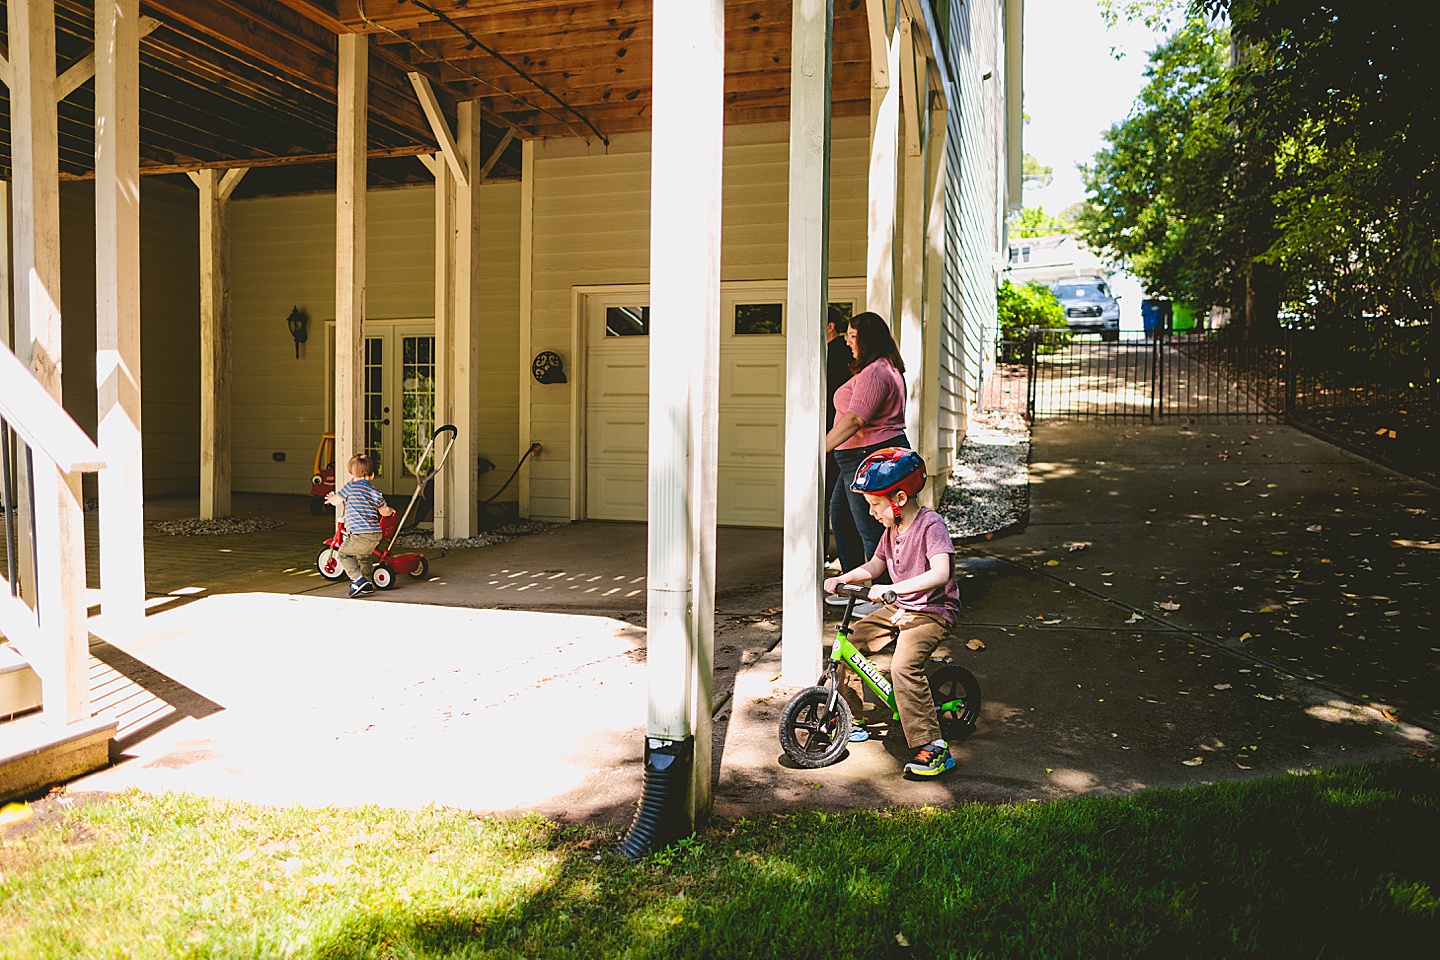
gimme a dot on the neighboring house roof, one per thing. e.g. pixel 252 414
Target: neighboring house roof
pixel 1047 259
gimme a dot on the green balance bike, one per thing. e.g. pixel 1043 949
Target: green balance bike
pixel 815 725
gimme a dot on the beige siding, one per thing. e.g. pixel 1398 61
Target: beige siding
pixel 282 254
pixel 169 325
pixel 592 227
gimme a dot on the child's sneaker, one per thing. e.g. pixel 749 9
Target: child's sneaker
pixel 361 587
pixel 858 732
pixel 865 607
pixel 932 760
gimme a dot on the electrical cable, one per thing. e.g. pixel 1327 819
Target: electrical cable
pixel 360 9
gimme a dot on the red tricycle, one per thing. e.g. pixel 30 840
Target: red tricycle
pixel 388 563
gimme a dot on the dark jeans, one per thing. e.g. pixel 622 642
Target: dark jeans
pixel 856 532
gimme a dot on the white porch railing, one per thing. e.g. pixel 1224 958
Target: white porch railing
pixel 50 630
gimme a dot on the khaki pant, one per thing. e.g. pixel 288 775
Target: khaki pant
pixel 916 636
pixel 355 551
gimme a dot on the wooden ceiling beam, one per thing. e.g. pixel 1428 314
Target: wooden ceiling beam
pixel 307 61
pixel 190 165
pixel 402 15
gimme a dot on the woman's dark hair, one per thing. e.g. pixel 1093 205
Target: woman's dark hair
pixel 872 342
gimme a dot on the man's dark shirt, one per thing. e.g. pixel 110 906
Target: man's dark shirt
pixel 837 371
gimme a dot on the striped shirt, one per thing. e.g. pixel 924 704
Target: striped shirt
pixel 877 396
pixel 362 506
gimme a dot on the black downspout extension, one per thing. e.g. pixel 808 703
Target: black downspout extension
pixel 661 819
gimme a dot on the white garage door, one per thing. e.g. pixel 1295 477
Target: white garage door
pixel 752 402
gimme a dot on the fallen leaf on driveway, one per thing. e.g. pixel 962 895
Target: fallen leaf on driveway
pixel 1053 622
pixel 1193 762
pixel 1079 545
pixel 1135 618
pixel 1314 528
pixel 1052 563
pixel 1418 544
pixel 1242 483
pixel 1245 636
pixel 975 644
pixel 1222 686
pixel 1169 605
pixel 1389 714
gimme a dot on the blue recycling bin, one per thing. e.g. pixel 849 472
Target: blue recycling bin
pixel 1155 316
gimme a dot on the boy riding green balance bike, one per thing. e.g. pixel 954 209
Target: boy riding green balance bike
pixel 919 606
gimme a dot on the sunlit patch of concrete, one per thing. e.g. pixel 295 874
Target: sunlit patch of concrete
pixel 322 700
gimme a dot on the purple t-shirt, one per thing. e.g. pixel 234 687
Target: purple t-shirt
pixel 877 396
pixel 908 555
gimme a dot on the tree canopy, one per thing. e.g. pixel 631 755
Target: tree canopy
pixel 1280 161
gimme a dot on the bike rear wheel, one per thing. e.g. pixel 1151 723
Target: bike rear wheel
pixel 957 701
pixel 812 734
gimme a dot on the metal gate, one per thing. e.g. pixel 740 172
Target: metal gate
pixel 1057 375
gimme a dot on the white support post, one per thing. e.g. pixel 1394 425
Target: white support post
pixel 913 321
pixel 457 269
pixel 350 250
pixel 527 290
pixel 811 37
pixel 7 313
pixel 880 251
pixel 59 515
pixel 929 440
pixel 686 164
pixel 215 189
pixel 463 514
pixel 444 322
pixel 117 313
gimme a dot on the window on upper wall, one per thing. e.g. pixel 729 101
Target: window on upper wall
pixel 759 318
pixel 841 312
pixel 627 321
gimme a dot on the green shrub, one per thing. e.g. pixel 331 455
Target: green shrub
pixel 1022 306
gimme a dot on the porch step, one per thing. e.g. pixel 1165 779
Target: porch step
pixel 36 752
pixel 19 685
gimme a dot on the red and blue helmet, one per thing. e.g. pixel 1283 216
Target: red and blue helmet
pixel 888 470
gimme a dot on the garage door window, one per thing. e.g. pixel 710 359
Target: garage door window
pixel 627 321
pixel 753 319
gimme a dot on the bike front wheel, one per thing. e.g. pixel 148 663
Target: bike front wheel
pixel 812 734
pixel 957 701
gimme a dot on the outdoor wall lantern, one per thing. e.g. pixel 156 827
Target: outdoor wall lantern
pixel 297 321
pixel 548 367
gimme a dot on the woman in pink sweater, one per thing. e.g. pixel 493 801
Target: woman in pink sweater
pixel 869 415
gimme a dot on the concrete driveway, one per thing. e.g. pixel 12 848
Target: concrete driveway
pixel 1240 601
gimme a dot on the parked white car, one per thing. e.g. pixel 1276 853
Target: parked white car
pixel 1089 306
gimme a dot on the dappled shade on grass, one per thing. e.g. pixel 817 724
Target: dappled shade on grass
pixel 1335 863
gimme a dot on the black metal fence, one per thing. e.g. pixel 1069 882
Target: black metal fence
pixel 1377 391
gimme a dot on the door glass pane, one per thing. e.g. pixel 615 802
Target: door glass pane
pixel 374 405
pixel 759 318
pixel 627 321
pixel 417 400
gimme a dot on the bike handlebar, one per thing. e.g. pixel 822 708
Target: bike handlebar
pixel 861 591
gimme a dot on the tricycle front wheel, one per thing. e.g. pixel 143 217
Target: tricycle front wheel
pixel 813 734
pixel 328 563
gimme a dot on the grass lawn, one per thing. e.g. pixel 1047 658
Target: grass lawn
pixel 1344 862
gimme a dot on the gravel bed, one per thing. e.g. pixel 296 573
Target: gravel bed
pixel 425 540
pixel 990 488
pixel 219 527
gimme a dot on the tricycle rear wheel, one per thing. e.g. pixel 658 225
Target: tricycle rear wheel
pixel 812 734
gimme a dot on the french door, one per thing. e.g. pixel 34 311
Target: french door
pixel 399 400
